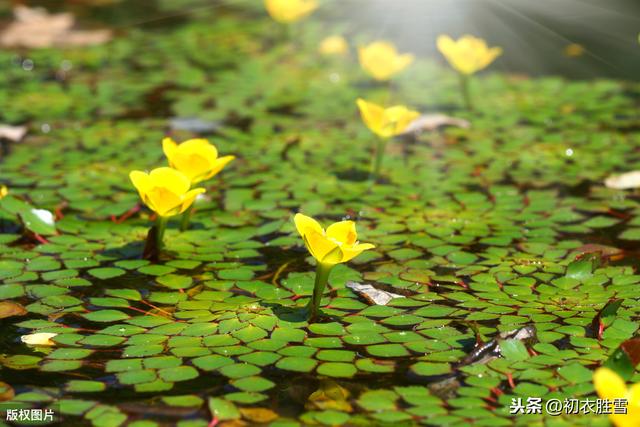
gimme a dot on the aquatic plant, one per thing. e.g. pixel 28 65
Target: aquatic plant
pixel 467 55
pixel 337 244
pixel 166 191
pixel 198 160
pixel 385 123
pixel 381 60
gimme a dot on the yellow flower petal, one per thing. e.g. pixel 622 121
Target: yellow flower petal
pixel 169 147
pixel 163 201
pixel 141 181
pixel 163 190
pixel 382 61
pixel 319 245
pixel 372 115
pixel 199 146
pixel 468 54
pixel 196 158
pixel 218 165
pixel 350 252
pixel 334 45
pixel 336 245
pixel 335 256
pixel 171 179
pixel 286 11
pixel 343 232
pixel 608 384
pixel 190 197
pixel 386 122
pixel 305 224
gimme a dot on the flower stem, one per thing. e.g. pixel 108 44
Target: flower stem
pixel 466 94
pixel 381 145
pixel 186 217
pixel 322 277
pixel 161 226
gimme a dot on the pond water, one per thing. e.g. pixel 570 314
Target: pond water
pixel 501 233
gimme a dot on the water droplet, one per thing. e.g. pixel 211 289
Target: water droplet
pixel 66 65
pixel 27 65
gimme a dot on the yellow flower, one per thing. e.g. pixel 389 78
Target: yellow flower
pixel 336 245
pixel 610 386
pixel 196 158
pixel 3 191
pixel 165 190
pixel 382 60
pixel 386 122
pixel 334 45
pixel 468 54
pixel 285 11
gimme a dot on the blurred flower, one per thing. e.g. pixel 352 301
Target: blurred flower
pixel 196 158
pixel 336 245
pixel 334 45
pixel 574 50
pixel 386 122
pixel 285 11
pixel 3 191
pixel 165 190
pixel 382 61
pixel 611 386
pixel 468 54
pixel 40 338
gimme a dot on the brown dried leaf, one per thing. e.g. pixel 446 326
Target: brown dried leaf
pixel 36 28
pixel 6 392
pixel 258 415
pixel 8 309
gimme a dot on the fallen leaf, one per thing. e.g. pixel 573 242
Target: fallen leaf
pixel 232 423
pixel 625 181
pixel 36 28
pixel 258 415
pixel 8 309
pixel 371 294
pixel 603 250
pixel 6 392
pixel 40 338
pixel 12 133
pixel 430 122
